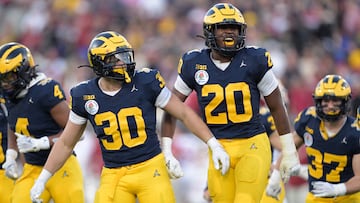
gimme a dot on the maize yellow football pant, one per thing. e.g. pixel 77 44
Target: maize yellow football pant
pixel 6 187
pixel 147 181
pixel 65 186
pixel 246 179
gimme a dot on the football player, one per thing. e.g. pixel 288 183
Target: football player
pixel 121 106
pixel 37 114
pixel 332 141
pixel 268 121
pixel 229 78
pixel 6 159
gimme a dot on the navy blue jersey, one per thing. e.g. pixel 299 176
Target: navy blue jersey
pixel 3 132
pixel 31 115
pixel 125 123
pixel 229 100
pixel 329 158
pixel 267 120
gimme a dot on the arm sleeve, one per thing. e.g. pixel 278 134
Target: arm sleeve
pixel 268 83
pixel 163 98
pixel 181 86
pixel 73 117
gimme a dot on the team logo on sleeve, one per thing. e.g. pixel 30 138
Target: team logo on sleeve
pixel 201 77
pixel 92 107
pixel 308 139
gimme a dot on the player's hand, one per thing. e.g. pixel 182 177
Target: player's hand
pixel 325 189
pixel 273 187
pixel 36 191
pixel 10 165
pixel 220 157
pixel 29 144
pixel 303 172
pixel 172 164
pixel 39 186
pixel 290 164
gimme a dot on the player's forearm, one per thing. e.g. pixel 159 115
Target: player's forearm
pixel 64 146
pixel 187 116
pixel 196 125
pixel 353 185
pixel 168 125
pixel 281 120
pixel 58 156
pixel 12 140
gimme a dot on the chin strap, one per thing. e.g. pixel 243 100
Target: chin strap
pixel 40 76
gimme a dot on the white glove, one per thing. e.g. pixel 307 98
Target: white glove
pixel 10 165
pixel 290 164
pixel 172 164
pixel 273 187
pixel 39 186
pixel 325 189
pixel 29 144
pixel 220 157
pixel 303 172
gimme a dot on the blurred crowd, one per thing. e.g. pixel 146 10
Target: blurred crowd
pixel 306 39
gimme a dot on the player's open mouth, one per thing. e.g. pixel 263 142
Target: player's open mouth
pixel 229 41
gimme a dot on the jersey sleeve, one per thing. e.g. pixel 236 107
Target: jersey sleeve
pixel 76 100
pixel 52 93
pixel 301 120
pixel 184 69
pixel 263 62
pixel 153 81
pixel 158 84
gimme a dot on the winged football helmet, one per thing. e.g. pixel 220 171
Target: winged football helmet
pixel 219 15
pixel 17 68
pixel 332 87
pixel 105 52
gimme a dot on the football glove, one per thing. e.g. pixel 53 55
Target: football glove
pixel 219 156
pixel 29 144
pixel 172 164
pixel 303 172
pixel 325 189
pixel 290 164
pixel 39 186
pixel 10 165
pixel 273 187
